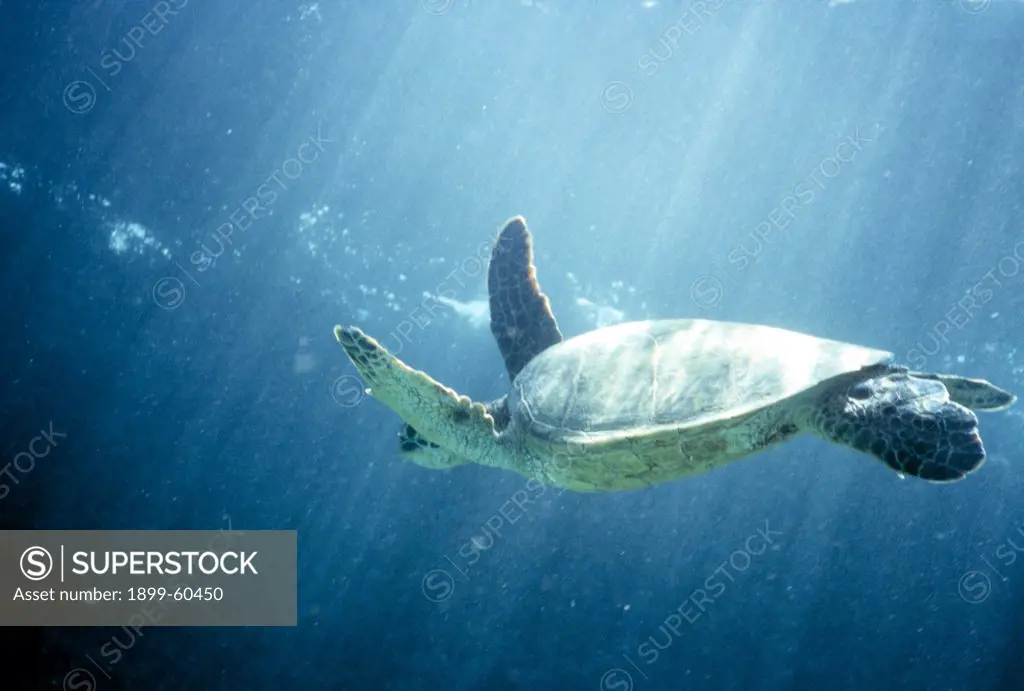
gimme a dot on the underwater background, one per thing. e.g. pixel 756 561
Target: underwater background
pixel 851 169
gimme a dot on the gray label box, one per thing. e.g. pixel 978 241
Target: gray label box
pixel 148 578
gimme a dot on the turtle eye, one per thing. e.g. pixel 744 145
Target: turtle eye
pixel 861 391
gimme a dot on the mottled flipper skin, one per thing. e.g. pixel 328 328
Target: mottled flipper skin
pixel 521 318
pixel 453 421
pixel 908 423
pixel 522 324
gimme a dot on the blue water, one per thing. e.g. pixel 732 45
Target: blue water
pixel 850 170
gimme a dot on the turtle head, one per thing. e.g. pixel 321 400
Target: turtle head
pixel 908 423
pixel 415 448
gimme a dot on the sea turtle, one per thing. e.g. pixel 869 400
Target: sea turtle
pixel 640 403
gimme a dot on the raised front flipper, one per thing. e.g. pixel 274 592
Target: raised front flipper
pixel 521 318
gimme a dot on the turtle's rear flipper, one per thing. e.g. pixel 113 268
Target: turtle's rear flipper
pixel 439 414
pixel 907 423
pixel 415 449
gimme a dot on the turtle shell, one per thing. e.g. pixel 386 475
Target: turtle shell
pixel 642 378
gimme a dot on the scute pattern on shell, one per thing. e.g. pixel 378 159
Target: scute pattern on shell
pixel 645 402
